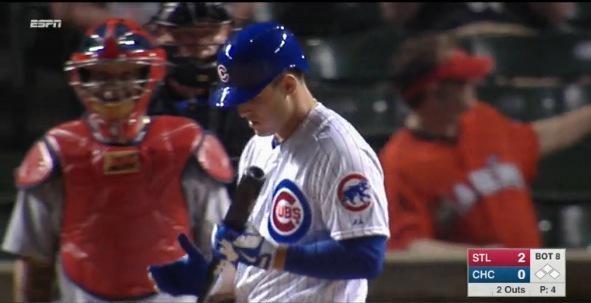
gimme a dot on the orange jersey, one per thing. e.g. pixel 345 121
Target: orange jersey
pixel 472 190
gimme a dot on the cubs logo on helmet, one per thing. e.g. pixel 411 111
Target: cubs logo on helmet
pixel 290 215
pixel 253 58
pixel 353 192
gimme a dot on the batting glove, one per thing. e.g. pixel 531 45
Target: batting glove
pixel 249 247
pixel 185 276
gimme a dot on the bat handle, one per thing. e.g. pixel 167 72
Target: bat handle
pixel 213 272
pixel 247 191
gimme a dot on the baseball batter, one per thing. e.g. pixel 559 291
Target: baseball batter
pixel 319 228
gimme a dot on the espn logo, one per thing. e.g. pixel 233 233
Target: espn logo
pixel 53 23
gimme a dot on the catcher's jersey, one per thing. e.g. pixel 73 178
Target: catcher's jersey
pixel 323 182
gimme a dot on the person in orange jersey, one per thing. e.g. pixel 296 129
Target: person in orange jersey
pixel 458 173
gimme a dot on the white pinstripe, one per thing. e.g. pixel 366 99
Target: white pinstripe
pixel 323 150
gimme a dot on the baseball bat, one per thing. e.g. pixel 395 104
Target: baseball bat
pixel 245 196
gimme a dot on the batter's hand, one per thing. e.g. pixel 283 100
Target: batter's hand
pixel 185 276
pixel 249 248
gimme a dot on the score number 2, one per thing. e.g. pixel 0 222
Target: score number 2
pixel 521 272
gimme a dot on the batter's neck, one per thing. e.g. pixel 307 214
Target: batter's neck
pixel 304 102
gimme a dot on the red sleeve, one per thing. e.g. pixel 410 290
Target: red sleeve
pixel 37 166
pixel 408 209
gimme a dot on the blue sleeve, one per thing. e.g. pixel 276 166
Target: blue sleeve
pixel 357 258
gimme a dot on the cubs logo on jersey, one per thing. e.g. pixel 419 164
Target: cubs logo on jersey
pixel 353 192
pixel 290 215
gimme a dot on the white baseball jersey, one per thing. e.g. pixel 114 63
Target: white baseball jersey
pixel 323 182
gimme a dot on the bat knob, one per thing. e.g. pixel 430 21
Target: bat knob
pixel 255 172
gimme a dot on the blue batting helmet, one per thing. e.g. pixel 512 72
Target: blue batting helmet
pixel 252 59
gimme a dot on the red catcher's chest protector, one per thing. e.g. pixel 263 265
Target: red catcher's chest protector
pixel 124 205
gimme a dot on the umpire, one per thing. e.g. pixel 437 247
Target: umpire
pixel 192 34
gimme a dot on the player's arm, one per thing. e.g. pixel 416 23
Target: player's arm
pixel 354 258
pixel 207 201
pixel 203 184
pixel 562 131
pixel 203 181
pixel 34 225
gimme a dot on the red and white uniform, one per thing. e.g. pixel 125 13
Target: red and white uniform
pixel 105 212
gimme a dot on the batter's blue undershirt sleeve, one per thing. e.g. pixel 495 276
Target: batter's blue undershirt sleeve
pixel 357 258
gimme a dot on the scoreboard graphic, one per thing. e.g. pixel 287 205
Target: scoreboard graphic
pixel 516 272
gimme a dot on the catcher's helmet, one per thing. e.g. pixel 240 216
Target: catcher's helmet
pixel 115 73
pixel 116 42
pixel 252 59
